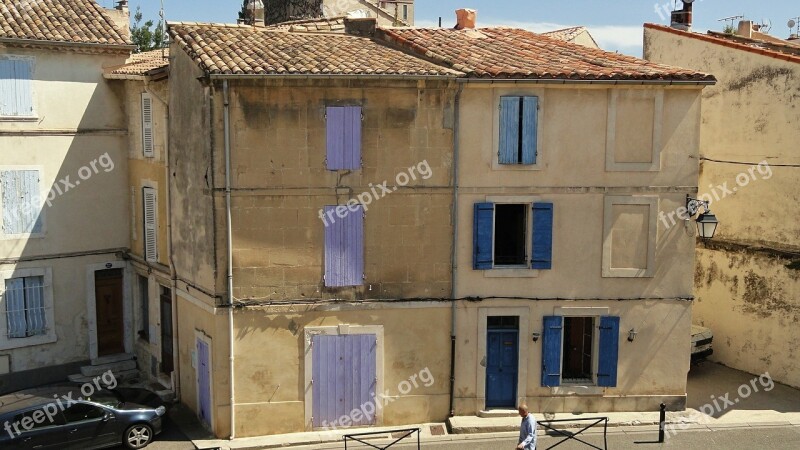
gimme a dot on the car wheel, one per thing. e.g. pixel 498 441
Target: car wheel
pixel 138 436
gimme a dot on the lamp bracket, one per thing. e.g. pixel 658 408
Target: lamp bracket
pixel 693 206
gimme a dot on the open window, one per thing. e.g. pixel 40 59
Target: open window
pixel 581 351
pixel 513 235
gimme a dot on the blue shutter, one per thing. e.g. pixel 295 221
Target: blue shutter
pixel 530 129
pixel 352 137
pixel 482 239
pixel 542 254
pixel 551 351
pixel 344 248
pixel 21 201
pixel 508 152
pixel 15 88
pixel 335 120
pixel 609 351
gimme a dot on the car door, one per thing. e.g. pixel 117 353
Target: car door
pixel 35 430
pixel 89 426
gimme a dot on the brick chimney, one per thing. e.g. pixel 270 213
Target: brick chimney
pixel 466 18
pixel 682 18
pixel 121 16
pixel 360 26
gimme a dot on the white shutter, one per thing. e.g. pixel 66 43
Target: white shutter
pixel 20 197
pixel 16 98
pixel 149 197
pixel 147 125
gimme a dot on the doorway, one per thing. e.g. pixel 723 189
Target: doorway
pixel 109 311
pixel 502 361
pixel 167 365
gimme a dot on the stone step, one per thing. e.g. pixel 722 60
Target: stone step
pixel 112 359
pixel 498 413
pixel 166 395
pixel 114 367
pixel 118 376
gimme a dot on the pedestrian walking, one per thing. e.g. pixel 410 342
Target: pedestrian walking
pixel 527 429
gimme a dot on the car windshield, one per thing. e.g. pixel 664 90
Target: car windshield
pixel 105 398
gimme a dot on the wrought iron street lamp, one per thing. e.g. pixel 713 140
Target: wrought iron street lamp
pixel 706 221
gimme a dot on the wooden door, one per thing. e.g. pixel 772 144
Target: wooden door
pixel 109 312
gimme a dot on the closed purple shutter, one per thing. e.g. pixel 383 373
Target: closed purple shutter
pixel 344 247
pixel 343 137
pixel 343 374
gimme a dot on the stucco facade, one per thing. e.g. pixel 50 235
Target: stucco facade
pixel 74 138
pixel 746 278
pixel 605 156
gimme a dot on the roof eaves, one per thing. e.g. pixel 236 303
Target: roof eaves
pixel 122 48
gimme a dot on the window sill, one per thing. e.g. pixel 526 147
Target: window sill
pixel 510 272
pixel 19 118
pixel 15 237
pixel 514 167
pixel 10 343
pixel 570 389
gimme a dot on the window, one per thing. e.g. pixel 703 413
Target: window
pixel 144 300
pixel 147 125
pixel 405 12
pixel 343 139
pixel 344 245
pixel 518 130
pixel 16 98
pixel 580 350
pixel 25 307
pixel 80 412
pixel 38 418
pixel 149 196
pixel 21 202
pixel 500 236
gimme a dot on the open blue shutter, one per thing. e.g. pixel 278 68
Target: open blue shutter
pixel 335 137
pixel 551 351
pixel 508 152
pixel 352 137
pixel 482 232
pixel 609 351
pixel 344 248
pixel 542 254
pixel 530 129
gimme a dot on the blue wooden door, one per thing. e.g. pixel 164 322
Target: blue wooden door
pixel 501 368
pixel 343 380
pixel 203 382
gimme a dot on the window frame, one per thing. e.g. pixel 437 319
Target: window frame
pixel 33 116
pixel 49 336
pixel 497 96
pixel 41 207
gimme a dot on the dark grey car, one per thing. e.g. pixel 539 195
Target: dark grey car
pixel 60 418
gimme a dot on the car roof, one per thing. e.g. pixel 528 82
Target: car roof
pixel 30 398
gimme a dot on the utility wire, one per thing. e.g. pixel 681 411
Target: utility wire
pixel 743 163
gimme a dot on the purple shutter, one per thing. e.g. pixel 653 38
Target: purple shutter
pixel 203 382
pixel 344 246
pixel 343 375
pixel 335 137
pixel 343 137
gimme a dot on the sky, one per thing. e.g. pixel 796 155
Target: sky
pixel 615 24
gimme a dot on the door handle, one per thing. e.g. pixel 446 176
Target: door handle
pixel 74 430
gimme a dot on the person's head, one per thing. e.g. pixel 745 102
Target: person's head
pixel 523 410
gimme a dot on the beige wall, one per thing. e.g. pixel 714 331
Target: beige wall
pixel 745 288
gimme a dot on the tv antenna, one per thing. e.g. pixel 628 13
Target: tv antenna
pixel 765 26
pixel 794 22
pixel 730 20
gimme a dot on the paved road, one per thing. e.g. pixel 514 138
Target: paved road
pixel 786 438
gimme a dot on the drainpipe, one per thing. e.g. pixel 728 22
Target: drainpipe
pixel 229 228
pixel 454 253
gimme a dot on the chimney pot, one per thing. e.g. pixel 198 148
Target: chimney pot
pixel 360 26
pixel 466 18
pixel 122 5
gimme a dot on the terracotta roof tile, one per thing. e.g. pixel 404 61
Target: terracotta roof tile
pixel 142 63
pixel 324 24
pixel 516 53
pixel 244 49
pixel 81 21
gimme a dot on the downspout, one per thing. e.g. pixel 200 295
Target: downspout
pixel 229 237
pixel 454 253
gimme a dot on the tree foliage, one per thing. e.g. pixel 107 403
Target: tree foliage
pixel 145 36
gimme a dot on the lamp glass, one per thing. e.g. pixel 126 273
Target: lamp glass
pixel 707 225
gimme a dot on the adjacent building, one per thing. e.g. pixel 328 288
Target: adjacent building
pixel 746 279
pixel 576 35
pixel 63 190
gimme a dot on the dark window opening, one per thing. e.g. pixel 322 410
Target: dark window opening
pixel 503 322
pixel 577 351
pixel 510 223
pixel 144 299
pixel 521 129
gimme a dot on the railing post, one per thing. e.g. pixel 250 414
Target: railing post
pixel 662 422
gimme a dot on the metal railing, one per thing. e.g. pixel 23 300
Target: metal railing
pixel 569 435
pixel 359 436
